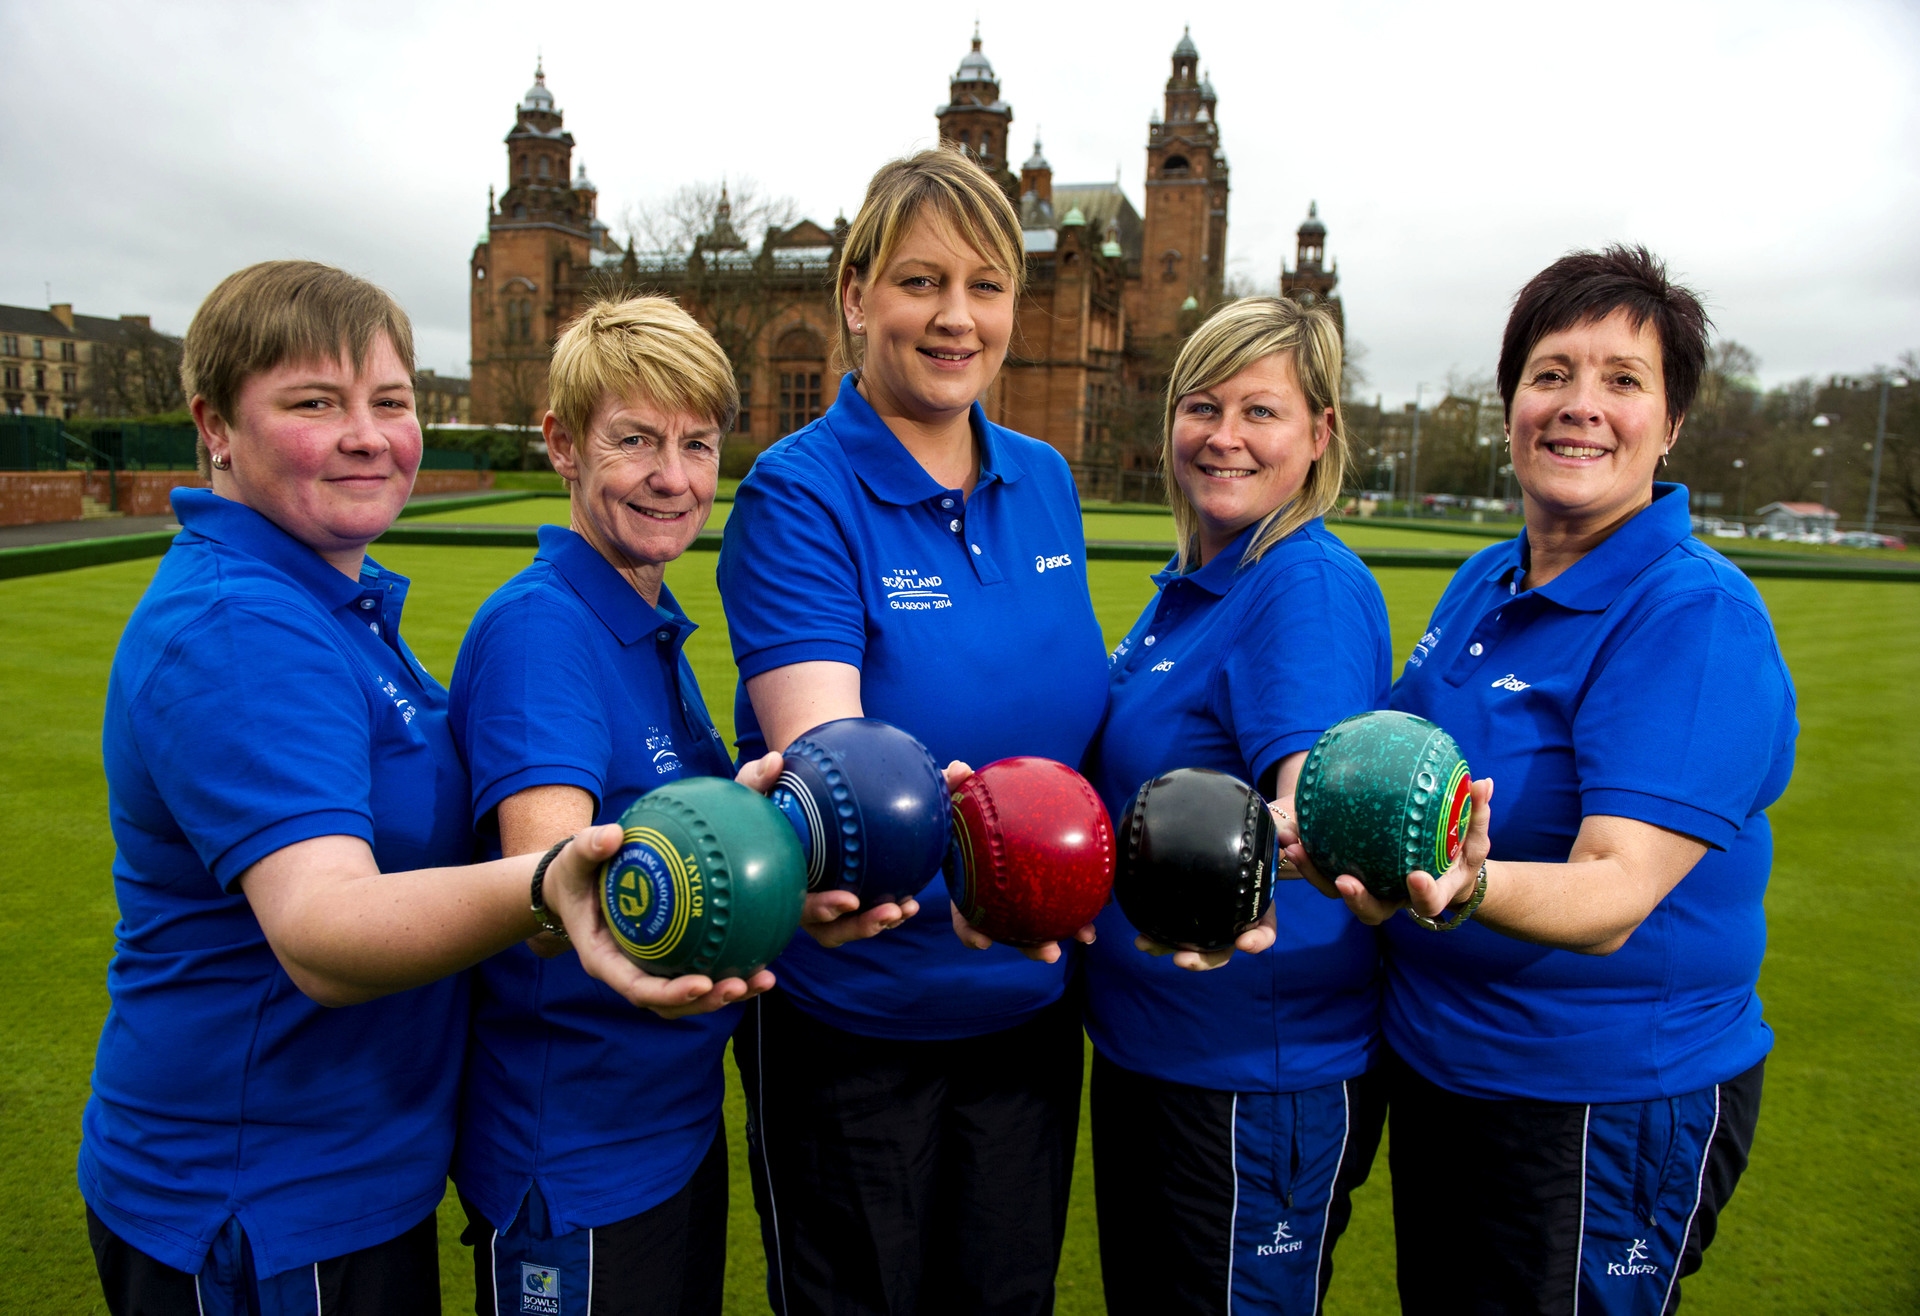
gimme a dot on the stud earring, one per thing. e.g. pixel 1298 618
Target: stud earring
pixel 221 462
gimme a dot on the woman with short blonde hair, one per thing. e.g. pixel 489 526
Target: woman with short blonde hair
pixel 913 1104
pixel 591 1149
pixel 1234 1111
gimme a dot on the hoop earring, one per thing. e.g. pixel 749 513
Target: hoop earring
pixel 1663 455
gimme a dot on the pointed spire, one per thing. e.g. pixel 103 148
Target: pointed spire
pixel 976 32
pixel 1038 160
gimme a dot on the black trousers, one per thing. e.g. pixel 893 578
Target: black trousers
pixel 400 1277
pixel 1558 1208
pixel 909 1177
pixel 669 1260
pixel 1215 1201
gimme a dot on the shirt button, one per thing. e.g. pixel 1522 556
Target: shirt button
pixel 1148 642
pixel 975 548
pixel 665 636
pixel 954 525
pixel 366 605
pixel 946 502
pixel 374 626
pixel 1477 649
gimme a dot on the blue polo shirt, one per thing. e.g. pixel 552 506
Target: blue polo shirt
pixel 1644 682
pixel 260 698
pixel 568 677
pixel 1235 668
pixel 970 622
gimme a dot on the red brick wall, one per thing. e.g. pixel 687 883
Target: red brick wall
pixel 446 482
pixel 30 497
pixel 144 493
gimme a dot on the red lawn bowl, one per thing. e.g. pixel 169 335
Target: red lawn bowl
pixel 1036 851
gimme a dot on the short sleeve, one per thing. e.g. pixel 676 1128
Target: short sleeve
pixel 787 577
pixel 1311 650
pixel 527 707
pixel 257 734
pixel 1684 721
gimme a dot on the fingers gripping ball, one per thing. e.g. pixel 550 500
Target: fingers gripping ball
pixel 708 879
pixel 869 806
pixel 1035 851
pixel 1196 859
pixel 1381 795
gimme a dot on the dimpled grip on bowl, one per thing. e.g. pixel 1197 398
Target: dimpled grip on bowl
pixel 708 879
pixel 1195 867
pixel 1381 795
pixel 869 806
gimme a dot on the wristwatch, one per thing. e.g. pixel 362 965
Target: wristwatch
pixel 1466 910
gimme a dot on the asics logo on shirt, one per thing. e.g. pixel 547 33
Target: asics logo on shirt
pixel 1054 563
pixel 1511 682
pixel 1636 1262
pixel 1283 1242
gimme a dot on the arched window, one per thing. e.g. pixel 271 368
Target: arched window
pixel 543 168
pixel 800 367
pixel 525 168
pixel 1174 166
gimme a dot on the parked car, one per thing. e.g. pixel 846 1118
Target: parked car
pixel 1869 539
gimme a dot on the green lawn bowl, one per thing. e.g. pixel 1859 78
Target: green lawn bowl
pixel 1380 796
pixel 709 879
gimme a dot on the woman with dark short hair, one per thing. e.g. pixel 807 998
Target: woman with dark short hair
pixel 1577 1043
pixel 273 1098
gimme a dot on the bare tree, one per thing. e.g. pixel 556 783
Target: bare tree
pixel 135 374
pixel 677 222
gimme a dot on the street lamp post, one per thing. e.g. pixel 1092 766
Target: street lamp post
pixel 1879 441
pixel 1413 462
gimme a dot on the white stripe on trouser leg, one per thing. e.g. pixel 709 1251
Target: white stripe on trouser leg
pixel 316 1290
pixel 1326 1221
pixel 1233 1219
pixel 199 1302
pixel 1580 1238
pixel 589 1272
pixel 1699 1191
pixel 766 1161
pixel 493 1269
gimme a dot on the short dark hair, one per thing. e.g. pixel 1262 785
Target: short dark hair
pixel 1584 286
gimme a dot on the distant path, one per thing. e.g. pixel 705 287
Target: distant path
pixel 111 527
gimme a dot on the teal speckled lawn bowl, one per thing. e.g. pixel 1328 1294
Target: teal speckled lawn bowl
pixel 1380 796
pixel 709 879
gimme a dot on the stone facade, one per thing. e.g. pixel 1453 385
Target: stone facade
pixel 46 357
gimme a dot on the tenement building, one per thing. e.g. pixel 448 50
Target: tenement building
pixel 56 363
pixel 1110 291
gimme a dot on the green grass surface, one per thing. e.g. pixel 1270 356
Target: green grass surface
pixel 1827 1219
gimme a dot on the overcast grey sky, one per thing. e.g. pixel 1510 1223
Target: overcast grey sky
pixel 1770 151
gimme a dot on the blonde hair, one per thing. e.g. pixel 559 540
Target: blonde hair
pixel 645 345
pixel 1233 338
pixel 944 182
pixel 279 311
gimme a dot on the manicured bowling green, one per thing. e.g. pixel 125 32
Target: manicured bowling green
pixel 1827 1219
